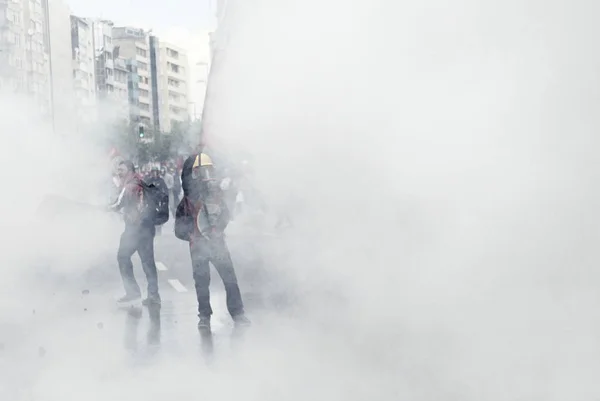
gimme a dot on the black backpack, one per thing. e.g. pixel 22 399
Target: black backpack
pixel 156 199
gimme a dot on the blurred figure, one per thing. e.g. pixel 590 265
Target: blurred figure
pixel 205 209
pixel 138 237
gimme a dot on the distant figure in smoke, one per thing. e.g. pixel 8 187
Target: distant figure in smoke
pixel 202 217
pixel 138 237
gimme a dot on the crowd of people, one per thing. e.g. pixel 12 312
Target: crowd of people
pixel 198 196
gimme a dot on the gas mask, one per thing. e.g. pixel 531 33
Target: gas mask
pixel 203 173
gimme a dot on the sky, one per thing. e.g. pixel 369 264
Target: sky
pixel 191 15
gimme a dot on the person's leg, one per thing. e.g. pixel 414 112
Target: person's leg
pixel 201 269
pixel 127 248
pixel 146 251
pixel 221 259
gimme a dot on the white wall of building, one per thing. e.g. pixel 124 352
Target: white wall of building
pixel 173 85
pixel 111 80
pixel 134 44
pixel 84 81
pixel 24 53
pixel 12 47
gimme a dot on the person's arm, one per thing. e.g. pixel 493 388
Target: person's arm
pixel 120 202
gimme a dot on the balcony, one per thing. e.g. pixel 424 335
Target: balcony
pixel 119 64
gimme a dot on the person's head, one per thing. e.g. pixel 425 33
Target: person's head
pixel 155 172
pixel 125 170
pixel 203 168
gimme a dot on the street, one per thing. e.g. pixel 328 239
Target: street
pixel 72 321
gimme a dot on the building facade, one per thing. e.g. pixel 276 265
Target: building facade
pixel 134 47
pixel 111 74
pixel 25 50
pixel 12 46
pixel 173 86
pixel 84 69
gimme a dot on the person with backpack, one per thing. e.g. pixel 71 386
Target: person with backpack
pixel 201 219
pixel 142 207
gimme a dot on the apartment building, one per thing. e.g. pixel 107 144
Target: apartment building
pixel 173 86
pixel 133 44
pixel 12 46
pixel 37 61
pixel 111 79
pixel 84 74
pixel 24 49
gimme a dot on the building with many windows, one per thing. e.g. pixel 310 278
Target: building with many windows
pixel 84 69
pixel 173 86
pixel 133 46
pixel 24 50
pixel 111 74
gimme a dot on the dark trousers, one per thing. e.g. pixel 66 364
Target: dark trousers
pixel 138 239
pixel 214 251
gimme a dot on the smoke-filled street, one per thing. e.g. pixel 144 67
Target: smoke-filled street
pixel 299 200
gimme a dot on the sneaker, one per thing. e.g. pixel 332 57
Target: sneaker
pixel 128 300
pixel 241 320
pixel 152 300
pixel 204 323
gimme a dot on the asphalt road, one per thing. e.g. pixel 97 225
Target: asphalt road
pixel 76 317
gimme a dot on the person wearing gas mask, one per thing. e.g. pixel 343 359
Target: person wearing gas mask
pixel 201 219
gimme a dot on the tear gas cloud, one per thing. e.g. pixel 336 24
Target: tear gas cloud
pixel 439 162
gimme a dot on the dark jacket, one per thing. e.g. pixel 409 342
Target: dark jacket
pixel 202 202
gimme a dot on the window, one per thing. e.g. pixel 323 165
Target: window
pixel 142 66
pixel 173 82
pixel 173 53
pixel 141 52
pixel 144 106
pixel 173 67
pixel 144 93
pixel 176 97
pixel 143 80
pixel 120 76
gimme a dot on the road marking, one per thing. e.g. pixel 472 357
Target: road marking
pixel 177 285
pixel 161 266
